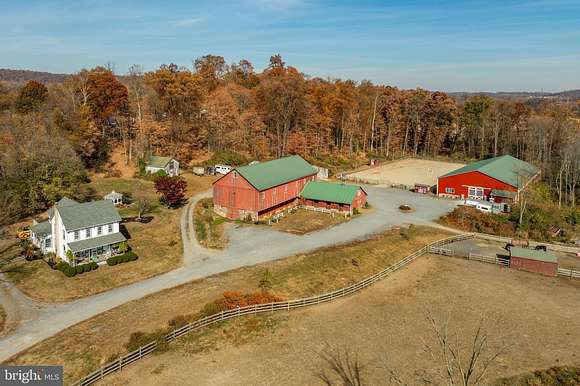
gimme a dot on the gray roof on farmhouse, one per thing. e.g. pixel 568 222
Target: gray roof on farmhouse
pixel 42 228
pixel 87 214
pixel 95 242
pixel 158 161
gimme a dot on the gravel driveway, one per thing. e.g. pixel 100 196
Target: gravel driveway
pixel 248 246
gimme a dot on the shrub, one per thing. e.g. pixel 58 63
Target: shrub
pixel 355 211
pixel 367 205
pixel 132 256
pixel 161 173
pixel 86 267
pixel 62 266
pixel 123 247
pixel 70 271
pixel 79 269
pixel 94 265
pixel 112 260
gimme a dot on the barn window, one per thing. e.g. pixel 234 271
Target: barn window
pixel 475 192
pixel 450 190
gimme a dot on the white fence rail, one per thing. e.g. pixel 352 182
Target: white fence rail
pixel 570 273
pixel 287 305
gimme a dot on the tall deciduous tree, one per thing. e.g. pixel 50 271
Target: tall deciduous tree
pixel 31 97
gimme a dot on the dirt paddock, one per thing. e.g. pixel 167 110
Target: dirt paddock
pixel 537 317
pixel 406 172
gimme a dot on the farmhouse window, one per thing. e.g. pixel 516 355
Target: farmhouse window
pixel 450 190
pixel 99 231
pixel 47 243
pixel 77 235
pixel 110 228
pixel 88 232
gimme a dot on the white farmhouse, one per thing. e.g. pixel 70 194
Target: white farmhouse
pixel 167 164
pixel 90 230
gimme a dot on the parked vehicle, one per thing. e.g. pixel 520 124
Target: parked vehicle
pixel 223 169
pixel 210 171
pixel 485 207
pixel 198 170
pixel 24 233
pixel 540 248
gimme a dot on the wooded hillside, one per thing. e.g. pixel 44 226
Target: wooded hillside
pixel 186 112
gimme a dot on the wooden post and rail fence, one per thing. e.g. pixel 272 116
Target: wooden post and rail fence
pixel 287 305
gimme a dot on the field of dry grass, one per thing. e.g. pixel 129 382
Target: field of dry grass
pixel 2 319
pixel 87 345
pixel 385 326
pixel 158 244
pixel 303 221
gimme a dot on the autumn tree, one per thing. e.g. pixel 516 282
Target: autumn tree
pixel 211 69
pixel 31 97
pixel 172 190
pixel 106 95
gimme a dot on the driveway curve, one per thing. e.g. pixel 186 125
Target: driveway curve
pixel 247 246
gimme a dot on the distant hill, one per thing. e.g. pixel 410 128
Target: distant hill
pixel 22 76
pixel 521 95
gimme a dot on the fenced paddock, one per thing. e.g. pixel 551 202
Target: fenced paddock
pixel 286 305
pixel 404 173
pixel 436 247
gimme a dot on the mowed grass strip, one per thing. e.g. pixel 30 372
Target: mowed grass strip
pixel 157 243
pixel 90 344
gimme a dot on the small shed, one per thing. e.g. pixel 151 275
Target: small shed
pixel 156 163
pixel 322 173
pixel 531 260
pixel 422 188
pixel 115 197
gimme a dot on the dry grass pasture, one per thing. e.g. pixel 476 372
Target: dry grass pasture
pixel 158 244
pixel 538 317
pixel 89 344
pixel 304 221
pixel 407 172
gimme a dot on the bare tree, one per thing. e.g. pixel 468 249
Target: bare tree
pixel 463 362
pixel 144 206
pixel 342 367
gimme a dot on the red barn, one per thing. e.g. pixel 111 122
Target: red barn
pixel 263 189
pixel 535 261
pixel 498 179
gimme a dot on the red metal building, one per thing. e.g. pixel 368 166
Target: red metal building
pixel 263 189
pixel 535 261
pixel 499 179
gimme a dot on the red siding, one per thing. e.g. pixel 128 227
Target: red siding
pixel 238 198
pixel 543 267
pixel 461 182
pixel 360 200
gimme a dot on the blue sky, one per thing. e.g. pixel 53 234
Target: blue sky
pixel 481 45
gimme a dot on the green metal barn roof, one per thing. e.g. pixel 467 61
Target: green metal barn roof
pixel 533 254
pixel 504 168
pixel 329 192
pixel 268 174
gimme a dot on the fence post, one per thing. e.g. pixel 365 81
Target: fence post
pixel 222 316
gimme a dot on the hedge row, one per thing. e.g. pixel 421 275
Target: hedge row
pixel 70 271
pixel 128 256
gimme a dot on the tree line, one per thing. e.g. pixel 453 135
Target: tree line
pixel 213 106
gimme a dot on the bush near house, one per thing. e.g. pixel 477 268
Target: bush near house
pixel 124 258
pixel 70 271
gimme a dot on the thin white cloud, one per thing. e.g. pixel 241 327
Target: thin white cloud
pixel 187 22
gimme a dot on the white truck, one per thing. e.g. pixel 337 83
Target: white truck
pixel 222 169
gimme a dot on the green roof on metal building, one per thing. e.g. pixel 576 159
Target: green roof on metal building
pixel 265 175
pixel 505 168
pixel 158 161
pixel 95 242
pixel 533 254
pixel 88 214
pixel 329 192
